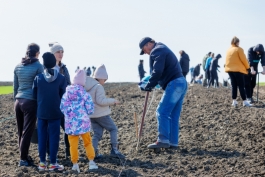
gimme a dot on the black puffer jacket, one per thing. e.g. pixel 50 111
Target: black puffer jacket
pixel 254 58
pixel 214 64
pixel 184 62
pixel 197 69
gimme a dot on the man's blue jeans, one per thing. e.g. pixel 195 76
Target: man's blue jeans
pixel 168 111
pixel 51 128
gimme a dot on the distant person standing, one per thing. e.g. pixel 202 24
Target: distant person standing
pixel 141 69
pixel 207 67
pixel 88 71
pixel 236 65
pixel 255 55
pixel 77 69
pixel 196 72
pixel 25 104
pixel 191 74
pixel 93 68
pixel 213 71
pixel 184 62
pixel 203 65
pixel 166 72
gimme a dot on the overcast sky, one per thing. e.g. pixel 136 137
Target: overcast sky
pixel 108 32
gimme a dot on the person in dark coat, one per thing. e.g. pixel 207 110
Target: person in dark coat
pixel 141 69
pixel 48 89
pixel 196 72
pixel 166 72
pixel 255 55
pixel 88 71
pixel 184 62
pixel 213 71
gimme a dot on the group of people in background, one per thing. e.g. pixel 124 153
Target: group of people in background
pixel 44 95
pixel 87 69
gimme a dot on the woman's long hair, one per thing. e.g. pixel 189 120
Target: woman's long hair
pixel 32 50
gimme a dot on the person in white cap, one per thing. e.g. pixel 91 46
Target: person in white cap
pixel 101 119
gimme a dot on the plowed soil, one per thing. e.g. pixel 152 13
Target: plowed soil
pixel 215 138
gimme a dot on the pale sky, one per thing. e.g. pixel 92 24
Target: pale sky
pixel 108 32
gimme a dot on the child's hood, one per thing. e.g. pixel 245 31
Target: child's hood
pixel 74 92
pixel 90 83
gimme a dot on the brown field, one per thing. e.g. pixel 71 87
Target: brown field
pixel 215 139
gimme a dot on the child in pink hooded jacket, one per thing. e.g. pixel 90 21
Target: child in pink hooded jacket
pixel 77 105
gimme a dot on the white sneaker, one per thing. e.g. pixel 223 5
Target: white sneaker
pixel 76 168
pixel 92 165
pixel 234 103
pixel 246 103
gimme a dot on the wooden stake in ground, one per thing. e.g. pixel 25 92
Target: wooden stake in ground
pixel 142 122
pixel 136 124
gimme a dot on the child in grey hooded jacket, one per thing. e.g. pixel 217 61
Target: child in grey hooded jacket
pixel 101 119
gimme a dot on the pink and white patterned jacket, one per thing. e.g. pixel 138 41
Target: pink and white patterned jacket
pixel 77 105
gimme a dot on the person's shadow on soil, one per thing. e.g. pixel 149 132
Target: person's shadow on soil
pixel 102 171
pixel 218 153
pixel 127 163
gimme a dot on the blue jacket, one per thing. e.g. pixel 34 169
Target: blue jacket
pixel 48 90
pixel 164 66
pixel 254 58
pixel 184 62
pixel 208 63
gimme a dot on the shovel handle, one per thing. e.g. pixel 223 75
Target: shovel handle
pixel 142 122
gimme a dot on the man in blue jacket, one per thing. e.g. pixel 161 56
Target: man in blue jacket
pixel 255 55
pixel 165 71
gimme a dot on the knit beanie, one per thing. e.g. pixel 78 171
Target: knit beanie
pixel 101 72
pixel 49 60
pixel 80 78
pixel 56 47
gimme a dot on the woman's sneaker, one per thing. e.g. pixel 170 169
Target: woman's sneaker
pixel 42 166
pixel 56 167
pixel 76 168
pixel 92 165
pixel 234 103
pixel 246 103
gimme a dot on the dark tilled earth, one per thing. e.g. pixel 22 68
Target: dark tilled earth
pixel 215 139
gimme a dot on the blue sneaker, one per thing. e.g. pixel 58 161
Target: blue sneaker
pixel 26 163
pixel 98 155
pixel 116 153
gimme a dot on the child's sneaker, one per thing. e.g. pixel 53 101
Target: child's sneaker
pixel 92 165
pixel 42 166
pixel 76 168
pixel 116 153
pixel 56 167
